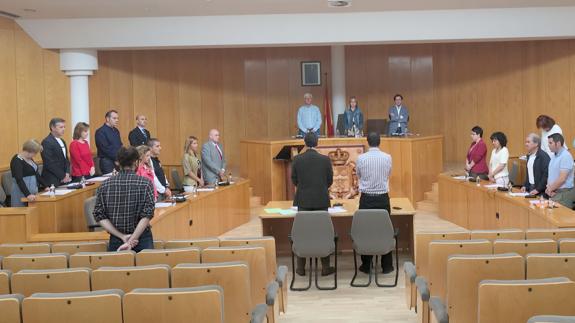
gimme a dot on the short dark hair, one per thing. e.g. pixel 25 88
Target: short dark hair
pixel 477 130
pixel 55 121
pixel 557 137
pixel 373 139
pixel 127 156
pixel 152 141
pixel 499 136
pixel 397 95
pixel 310 139
pixel 109 113
pixel 545 122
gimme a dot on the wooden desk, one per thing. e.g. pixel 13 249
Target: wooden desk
pixel 63 213
pixel 279 226
pixel 416 163
pixel 477 207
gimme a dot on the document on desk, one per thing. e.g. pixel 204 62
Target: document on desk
pixel 205 189
pixel 163 204
pixel 461 178
pixel 519 194
pixel 98 179
pixel 272 210
pixel 287 212
pixel 336 209
pixel 492 185
pixel 58 192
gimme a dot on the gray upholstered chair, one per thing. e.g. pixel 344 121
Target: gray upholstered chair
pixel 373 234
pixel 2 197
pixel 312 237
pixel 98 171
pixel 89 204
pixel 178 186
pixel 551 319
pixel 7 183
pixel 514 174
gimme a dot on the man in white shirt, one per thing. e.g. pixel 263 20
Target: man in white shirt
pixel 537 166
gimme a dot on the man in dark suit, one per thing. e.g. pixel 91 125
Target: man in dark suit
pixel 537 166
pixel 140 135
pixel 108 142
pixel 312 174
pixel 55 155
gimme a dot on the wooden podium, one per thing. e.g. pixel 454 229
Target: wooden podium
pixel 417 161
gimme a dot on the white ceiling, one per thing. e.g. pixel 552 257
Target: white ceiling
pixel 48 9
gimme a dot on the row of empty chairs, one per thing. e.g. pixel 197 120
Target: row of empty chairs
pixel 165 305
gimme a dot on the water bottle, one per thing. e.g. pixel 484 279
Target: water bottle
pixel 478 181
pixel 52 190
pixel 83 182
pixel 510 188
pixel 229 177
pixel 541 201
pixel 216 185
pixel 195 191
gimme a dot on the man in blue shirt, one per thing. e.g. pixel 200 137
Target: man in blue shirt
pixel 308 117
pixel 108 142
pixel 560 176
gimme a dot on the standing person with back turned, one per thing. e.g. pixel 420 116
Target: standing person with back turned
pixel 537 166
pixel 213 160
pixel 398 117
pixel 140 135
pixel 373 171
pixel 312 175
pixel 125 205
pixel 56 169
pixel 108 142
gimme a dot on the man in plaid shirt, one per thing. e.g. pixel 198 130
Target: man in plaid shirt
pixel 125 205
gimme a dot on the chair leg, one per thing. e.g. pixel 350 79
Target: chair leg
pixel 334 274
pixel 353 284
pixel 297 289
pixel 396 269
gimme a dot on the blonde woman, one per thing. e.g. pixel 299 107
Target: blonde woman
pixel 145 168
pixel 25 176
pixel 192 163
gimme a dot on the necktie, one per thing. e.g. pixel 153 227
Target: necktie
pixel 144 132
pixel 219 151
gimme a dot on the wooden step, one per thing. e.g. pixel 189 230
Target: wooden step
pixel 431 196
pixel 435 187
pixel 255 201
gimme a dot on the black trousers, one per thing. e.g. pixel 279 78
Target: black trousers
pixel 376 202
pixel 301 261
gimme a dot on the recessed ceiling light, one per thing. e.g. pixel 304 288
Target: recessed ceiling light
pixel 29 10
pixel 339 3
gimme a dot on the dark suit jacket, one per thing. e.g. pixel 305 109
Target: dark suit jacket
pixel 56 165
pixel 312 174
pixel 540 169
pixel 137 138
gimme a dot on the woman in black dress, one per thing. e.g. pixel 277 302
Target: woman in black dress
pixel 25 176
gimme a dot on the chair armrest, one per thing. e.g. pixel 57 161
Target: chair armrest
pixel 271 293
pixel 438 309
pixel 395 232
pixel 281 275
pixel 409 269
pixel 422 288
pixel 259 313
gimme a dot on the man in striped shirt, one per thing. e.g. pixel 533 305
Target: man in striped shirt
pixel 373 169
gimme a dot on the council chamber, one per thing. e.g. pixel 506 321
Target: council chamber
pixel 303 161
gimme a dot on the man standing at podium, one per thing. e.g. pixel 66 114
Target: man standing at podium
pixel 398 117
pixel 213 160
pixel 308 117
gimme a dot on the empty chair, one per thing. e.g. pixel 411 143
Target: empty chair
pixel 177 180
pixel 95 260
pixel 7 249
pixel 464 273
pixel 312 237
pixel 2 197
pixel 30 281
pixel 174 305
pixel 10 308
pixel 372 233
pixel 15 263
pixel 5 281
pixel 554 234
pixel 566 245
pixel 275 272
pixel 201 243
pixel 7 182
pixel 551 265
pixel 74 247
pixel 551 319
pixel 514 178
pixel 158 244
pixel 410 290
pixel 170 257
pixel 422 241
pixel 129 278
pixel 103 306
pixel 529 298
pixel 262 290
pixel 523 247
pixel 89 204
pixel 233 277
pixel 512 234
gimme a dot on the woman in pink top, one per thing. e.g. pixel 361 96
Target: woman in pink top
pixel 476 165
pixel 145 168
pixel 80 154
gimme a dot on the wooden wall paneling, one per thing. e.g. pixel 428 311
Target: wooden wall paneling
pixel 422 89
pixel 30 88
pixel 277 92
pixel 56 92
pixel 444 101
pixel 532 83
pixel 212 92
pixel 296 91
pixel 121 91
pixel 167 104
pixel 356 75
pixel 374 98
pixel 189 98
pixel 234 110
pixel 255 94
pixel 9 143
pixel 99 84
pixel 399 65
pixel 144 88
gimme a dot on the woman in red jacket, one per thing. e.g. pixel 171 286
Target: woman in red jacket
pixel 80 154
pixel 475 164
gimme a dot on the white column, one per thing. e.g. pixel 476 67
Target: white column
pixel 338 98
pixel 79 64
